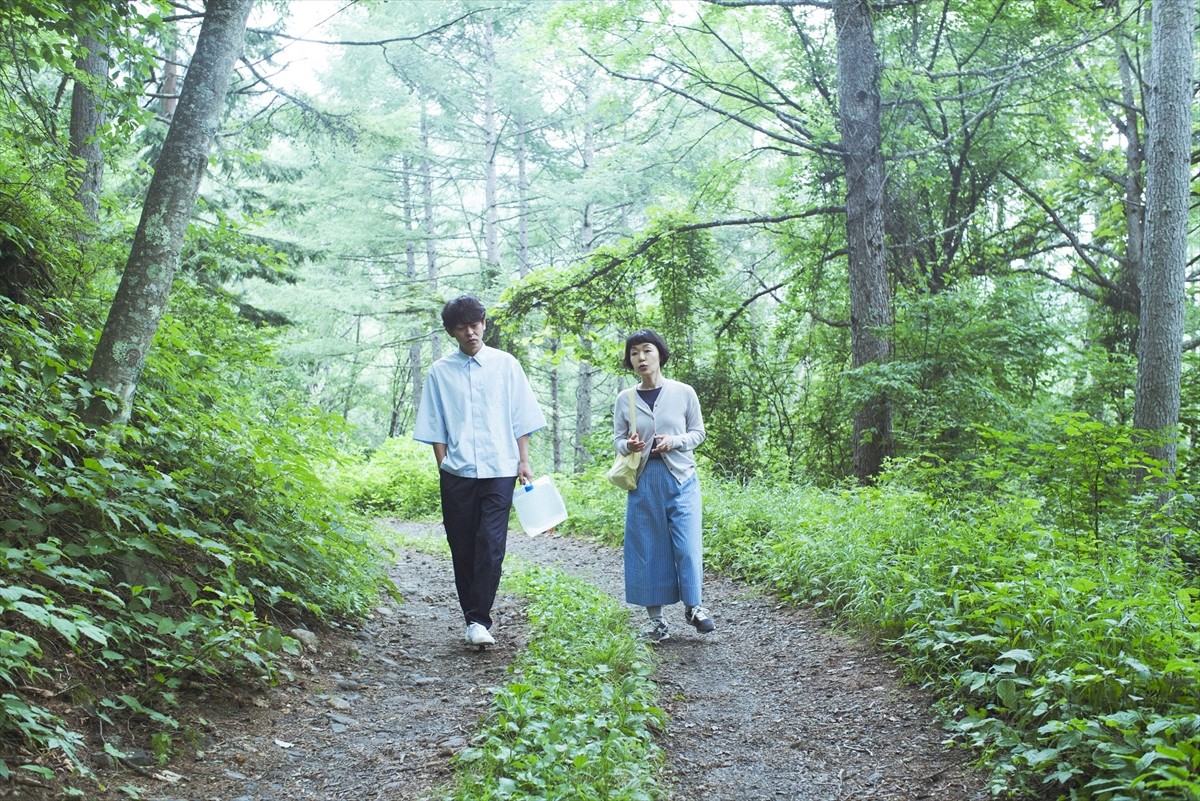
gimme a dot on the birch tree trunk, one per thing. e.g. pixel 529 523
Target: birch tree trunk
pixel 154 257
pixel 870 295
pixel 1161 284
pixel 170 81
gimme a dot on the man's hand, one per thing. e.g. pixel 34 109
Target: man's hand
pixel 524 471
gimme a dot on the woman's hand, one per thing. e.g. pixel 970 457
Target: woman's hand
pixel 662 444
pixel 635 444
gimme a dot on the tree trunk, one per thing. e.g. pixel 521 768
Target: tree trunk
pixel 87 119
pixel 150 271
pixel 1135 201
pixel 1161 284
pixel 170 81
pixel 587 242
pixel 583 411
pixel 411 230
pixel 555 405
pixel 522 202
pixel 427 216
pixel 491 132
pixel 870 296
pixel 350 396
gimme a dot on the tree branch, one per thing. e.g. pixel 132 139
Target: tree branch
pixel 366 42
pixel 1072 238
pixel 802 144
pixel 616 261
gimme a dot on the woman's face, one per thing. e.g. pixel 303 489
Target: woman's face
pixel 644 358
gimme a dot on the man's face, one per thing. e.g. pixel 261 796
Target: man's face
pixel 469 336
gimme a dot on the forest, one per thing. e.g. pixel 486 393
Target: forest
pixel 931 268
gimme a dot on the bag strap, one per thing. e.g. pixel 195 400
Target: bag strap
pixel 633 425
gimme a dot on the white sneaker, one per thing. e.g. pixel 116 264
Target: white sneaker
pixel 478 635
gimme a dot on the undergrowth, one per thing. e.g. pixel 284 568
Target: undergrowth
pixel 1045 610
pixel 577 721
pixel 164 557
pixel 399 478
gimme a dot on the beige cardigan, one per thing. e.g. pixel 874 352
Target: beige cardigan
pixel 677 414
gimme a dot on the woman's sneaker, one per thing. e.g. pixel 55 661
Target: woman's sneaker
pixel 656 631
pixel 699 617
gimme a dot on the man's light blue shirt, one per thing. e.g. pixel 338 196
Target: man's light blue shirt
pixel 478 406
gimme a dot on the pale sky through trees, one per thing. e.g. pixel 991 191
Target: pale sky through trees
pixel 311 19
pixel 308 19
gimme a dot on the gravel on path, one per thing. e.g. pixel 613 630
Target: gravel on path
pixel 771 706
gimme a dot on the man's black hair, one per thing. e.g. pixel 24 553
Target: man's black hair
pixel 463 310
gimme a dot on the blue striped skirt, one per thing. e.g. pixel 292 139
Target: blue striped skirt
pixel 663 553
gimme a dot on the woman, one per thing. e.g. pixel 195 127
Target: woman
pixel 662 516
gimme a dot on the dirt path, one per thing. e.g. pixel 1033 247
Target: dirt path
pixel 771 706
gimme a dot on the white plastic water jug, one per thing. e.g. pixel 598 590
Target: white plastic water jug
pixel 539 506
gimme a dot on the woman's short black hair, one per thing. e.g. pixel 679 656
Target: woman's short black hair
pixel 463 310
pixel 642 337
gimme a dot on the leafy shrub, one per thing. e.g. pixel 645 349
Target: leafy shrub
pixel 1069 661
pixel 139 567
pixel 400 478
pixel 594 507
pixel 974 353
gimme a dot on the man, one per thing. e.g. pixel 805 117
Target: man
pixel 477 411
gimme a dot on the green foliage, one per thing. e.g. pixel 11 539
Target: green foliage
pixel 680 260
pixel 1085 470
pixel 651 280
pixel 1068 662
pixel 963 357
pixel 138 568
pixel 595 507
pixel 36 246
pixel 400 478
pixel 1104 384
pixel 579 719
pixel 226 249
pixel 44 39
pixel 40 220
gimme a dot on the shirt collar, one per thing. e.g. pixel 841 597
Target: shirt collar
pixel 479 358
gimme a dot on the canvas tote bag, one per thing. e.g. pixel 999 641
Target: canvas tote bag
pixel 624 472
